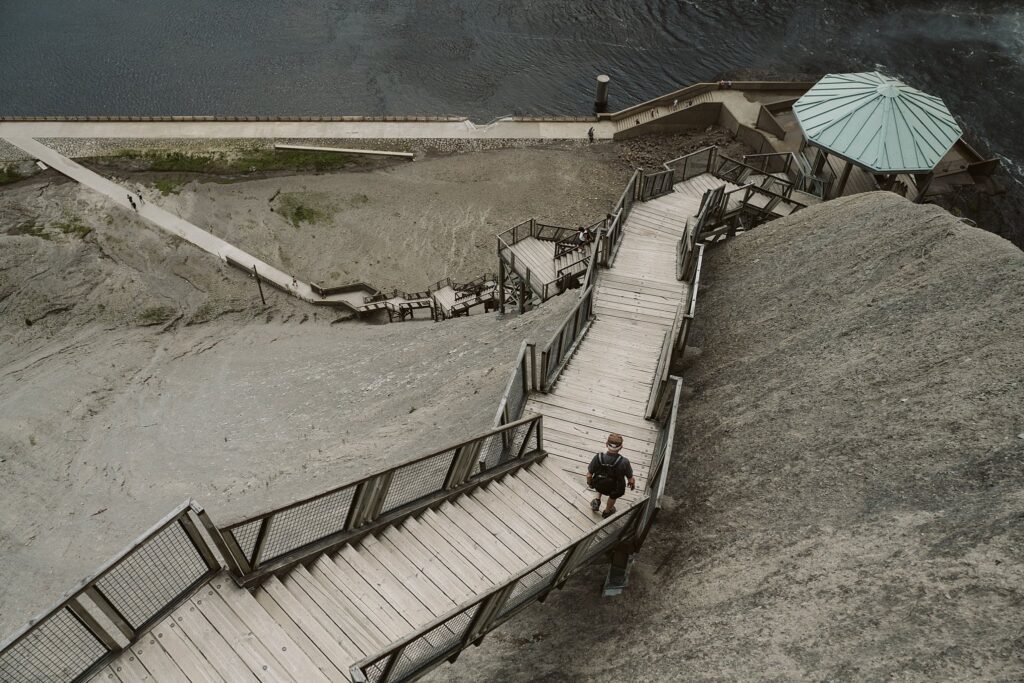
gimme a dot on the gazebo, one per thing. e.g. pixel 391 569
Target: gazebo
pixel 879 124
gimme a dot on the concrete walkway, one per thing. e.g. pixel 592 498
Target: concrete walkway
pixel 165 220
pixel 466 129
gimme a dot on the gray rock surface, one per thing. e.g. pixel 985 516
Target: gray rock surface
pixel 847 488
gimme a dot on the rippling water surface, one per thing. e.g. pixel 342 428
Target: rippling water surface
pixel 487 58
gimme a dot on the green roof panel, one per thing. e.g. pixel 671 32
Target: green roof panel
pixel 877 122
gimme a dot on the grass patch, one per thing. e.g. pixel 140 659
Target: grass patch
pixel 292 159
pixel 206 312
pixel 73 227
pixel 9 174
pixel 254 160
pixel 156 315
pixel 169 185
pixel 298 208
pixel 29 228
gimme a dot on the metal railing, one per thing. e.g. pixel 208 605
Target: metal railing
pixel 556 354
pixel 669 344
pixel 443 638
pixel 510 407
pixel 655 185
pixel 819 181
pixel 693 164
pixel 666 415
pixel 551 233
pixel 598 256
pixel 281 537
pixel 105 612
pixel 612 235
pixel 621 211
pixel 796 168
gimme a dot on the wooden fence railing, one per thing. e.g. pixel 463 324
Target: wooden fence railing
pixel 559 350
pixel 279 538
pixel 656 184
pixel 407 659
pixel 520 382
pixel 444 638
pixel 693 164
pixel 621 211
pixel 107 611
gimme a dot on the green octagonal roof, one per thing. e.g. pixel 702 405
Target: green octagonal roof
pixel 877 122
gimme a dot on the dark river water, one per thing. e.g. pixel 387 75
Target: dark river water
pixel 487 58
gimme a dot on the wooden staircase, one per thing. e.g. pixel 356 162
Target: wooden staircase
pixel 413 582
pixel 313 622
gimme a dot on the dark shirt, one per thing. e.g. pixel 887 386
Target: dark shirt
pixel 622 469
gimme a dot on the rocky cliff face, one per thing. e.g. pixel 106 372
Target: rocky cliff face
pixel 848 479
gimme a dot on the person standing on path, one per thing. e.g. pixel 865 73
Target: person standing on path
pixel 140 198
pixel 132 202
pixel 608 474
pixel 590 134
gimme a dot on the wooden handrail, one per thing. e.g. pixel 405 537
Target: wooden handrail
pixel 355 482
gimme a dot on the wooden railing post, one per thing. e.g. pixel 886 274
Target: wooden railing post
pixel 368 500
pixel 110 612
pixel 544 360
pixel 533 366
pixel 461 468
pixel 261 539
pixel 108 639
pixel 568 564
pixel 238 563
pixel 484 616
pixel 396 655
pixel 189 527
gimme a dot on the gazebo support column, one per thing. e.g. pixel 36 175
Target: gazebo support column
pixel 922 181
pixel 819 163
pixel 841 185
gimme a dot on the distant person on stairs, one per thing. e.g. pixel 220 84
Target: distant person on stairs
pixel 583 235
pixel 608 474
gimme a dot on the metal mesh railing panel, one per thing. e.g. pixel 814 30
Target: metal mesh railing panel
pixel 493 451
pixel 533 584
pixel 418 479
pixel 516 395
pixel 516 438
pixel 437 643
pixel 60 648
pixel 605 537
pixel 153 575
pixel 306 523
pixel 374 671
pixel 500 448
pixel 246 535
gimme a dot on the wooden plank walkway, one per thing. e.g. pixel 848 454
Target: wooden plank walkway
pixel 312 623
pixel 606 385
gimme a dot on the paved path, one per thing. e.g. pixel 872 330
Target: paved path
pixel 552 130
